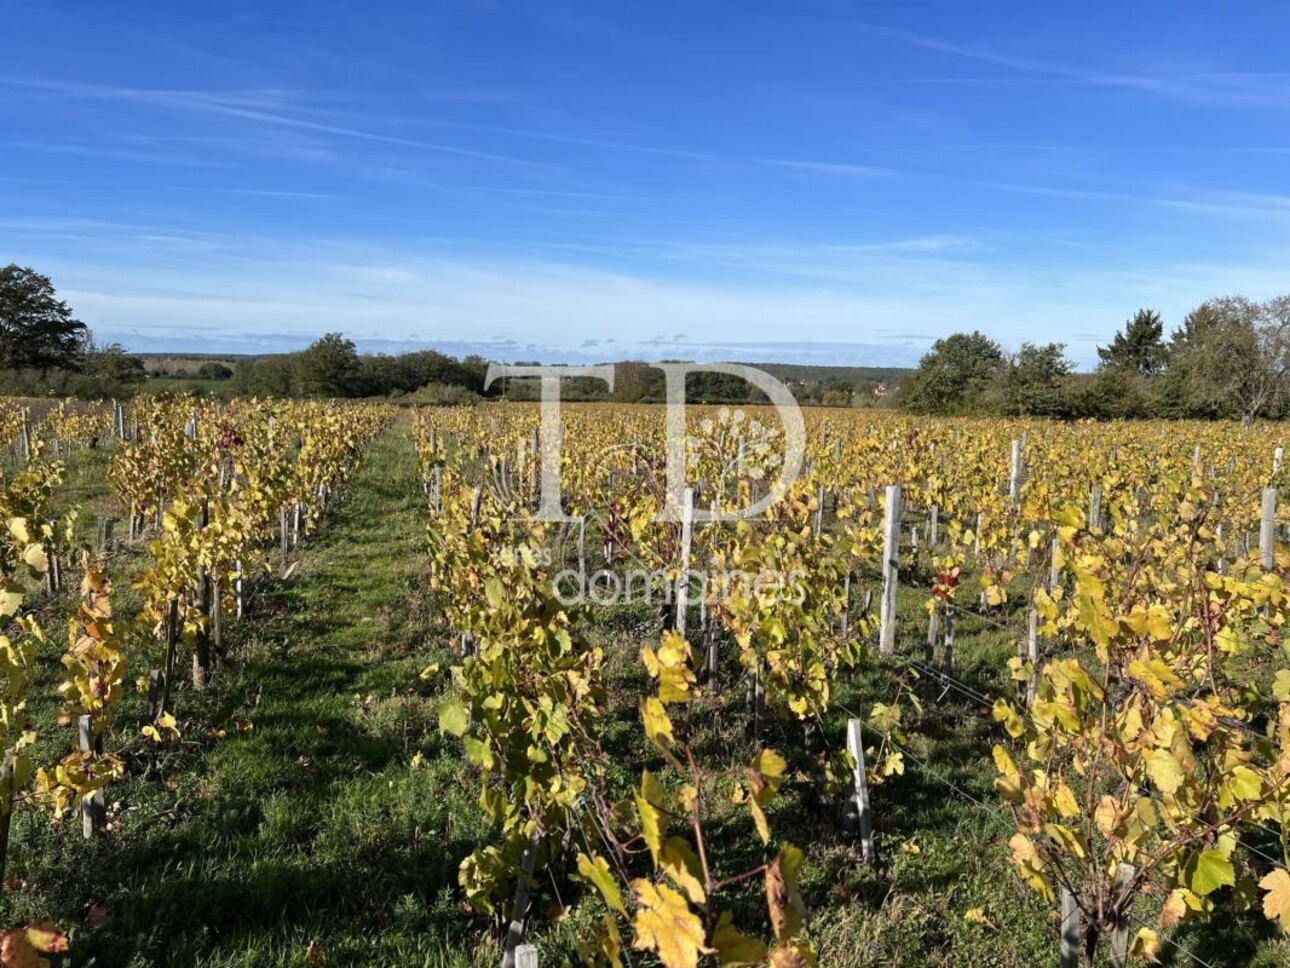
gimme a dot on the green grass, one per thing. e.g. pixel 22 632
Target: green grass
pixel 291 813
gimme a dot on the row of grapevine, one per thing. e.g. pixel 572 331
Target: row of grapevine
pixel 211 491
pixel 1147 738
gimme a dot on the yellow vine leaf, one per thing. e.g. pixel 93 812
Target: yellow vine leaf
pixel 1176 906
pixel 1146 945
pixel 1071 841
pixel 596 871
pixel 670 665
pixel 454 718
pixel 665 925
pixel 1107 815
pixel 653 814
pixel 36 558
pixel 1276 902
pixel 736 950
pixel 1152 621
pixel 1004 713
pixel 977 915
pixel 793 956
pixel 658 726
pixel 765 774
pixel 678 862
pixel 25 947
pixel 1026 856
pixel 1064 801
pixel 784 903
pixel 1165 771
pixel 894 764
pixel 1212 870
pixel 1156 675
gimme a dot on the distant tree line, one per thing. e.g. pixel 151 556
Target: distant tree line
pixel 639 382
pixel 634 382
pixel 1230 358
pixel 210 370
pixel 332 367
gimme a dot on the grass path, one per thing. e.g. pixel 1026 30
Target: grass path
pixel 305 822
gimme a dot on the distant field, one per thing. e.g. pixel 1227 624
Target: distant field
pixel 157 384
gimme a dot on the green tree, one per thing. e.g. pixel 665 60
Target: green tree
pixel 37 329
pixel 955 375
pixel 1140 347
pixel 1112 393
pixel 1035 382
pixel 1230 358
pixel 111 363
pixel 269 376
pixel 214 370
pixel 328 368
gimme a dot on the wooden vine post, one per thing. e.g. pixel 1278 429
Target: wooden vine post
pixel 1032 654
pixel 202 599
pixel 947 647
pixel 1017 473
pixel 933 630
pixel 1075 942
pixel 93 807
pixel 103 537
pixel 1267 529
pixel 1070 930
pixel 520 907
pixel 7 785
pixel 860 795
pixel 683 575
pixel 25 437
pixel 1124 875
pixel 890 571
pixel 161 680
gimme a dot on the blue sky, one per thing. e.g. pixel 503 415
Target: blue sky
pixel 808 181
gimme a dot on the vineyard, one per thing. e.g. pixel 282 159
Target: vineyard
pixel 330 683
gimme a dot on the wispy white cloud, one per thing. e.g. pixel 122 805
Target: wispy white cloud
pixel 1265 88
pixel 552 192
pixel 1225 204
pixel 832 167
pixel 106 151
pixel 827 167
pixel 271 107
pixel 260 192
pixel 250 107
pixel 900 294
